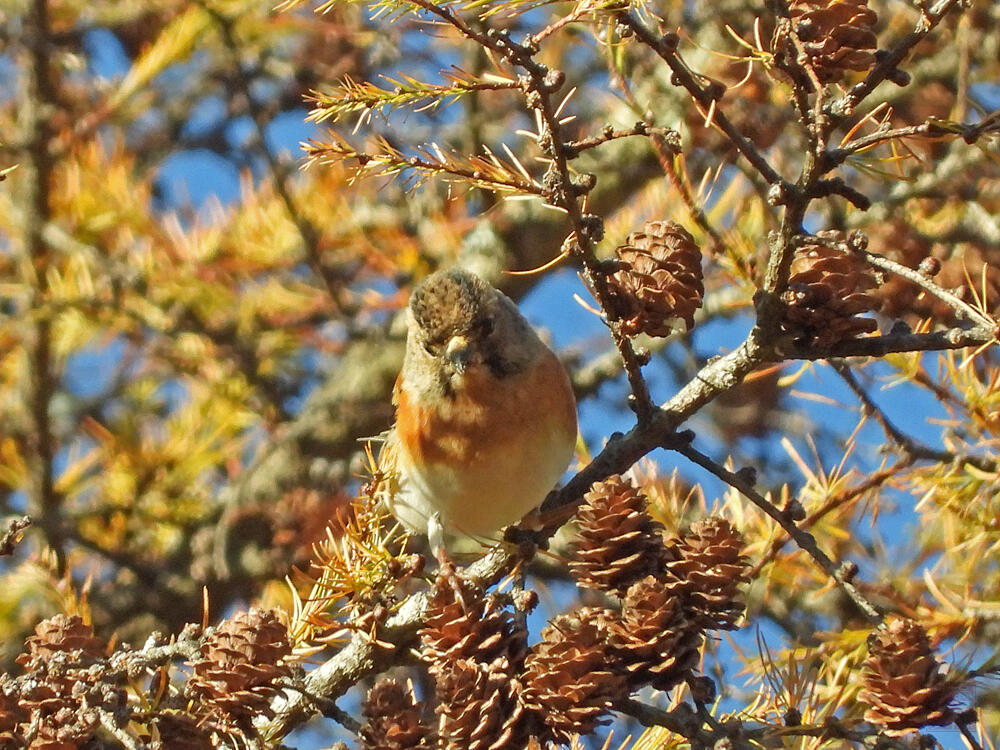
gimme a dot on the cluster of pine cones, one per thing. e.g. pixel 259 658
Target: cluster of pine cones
pixel 493 691
pixel 71 692
pixel 657 284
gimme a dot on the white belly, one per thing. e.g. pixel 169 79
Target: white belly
pixel 492 493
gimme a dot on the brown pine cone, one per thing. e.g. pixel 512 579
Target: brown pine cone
pixel 655 639
pixel 836 35
pixel 477 706
pixel 58 657
pixel 392 718
pixel 241 664
pixel 464 623
pixel 11 714
pixel 706 567
pixel 903 684
pixel 66 729
pixel 618 543
pixel 571 680
pixel 827 290
pixel 60 634
pixel 659 280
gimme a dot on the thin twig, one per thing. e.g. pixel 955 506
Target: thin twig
pixel 608 133
pixel 831 504
pixel 706 96
pixel 961 307
pixel 805 540
pixel 909 445
pixel 865 142
pixel 12 536
pixel 891 343
pixel 581 9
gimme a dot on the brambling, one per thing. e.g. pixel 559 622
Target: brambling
pixel 485 415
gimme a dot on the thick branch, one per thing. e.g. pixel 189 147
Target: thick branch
pixel 38 96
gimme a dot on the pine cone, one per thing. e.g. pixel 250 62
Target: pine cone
pixel 57 658
pixel 60 634
pixel 705 568
pixel 392 718
pixel 50 737
pixel 464 623
pixel 477 706
pixel 836 35
pixel 655 639
pixel 241 664
pixel 618 543
pixel 179 731
pixel 11 716
pixel 827 289
pixel 66 729
pixel 659 281
pixel 903 683
pixel 570 678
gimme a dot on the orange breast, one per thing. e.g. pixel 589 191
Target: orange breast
pixel 486 415
pixel 486 456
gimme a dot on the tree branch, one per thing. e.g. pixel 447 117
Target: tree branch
pixel 805 540
pixel 888 65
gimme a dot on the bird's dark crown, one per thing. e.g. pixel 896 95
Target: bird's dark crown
pixel 449 302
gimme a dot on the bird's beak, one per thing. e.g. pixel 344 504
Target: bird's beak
pixel 458 352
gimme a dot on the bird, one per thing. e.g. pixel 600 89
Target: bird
pixel 485 416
